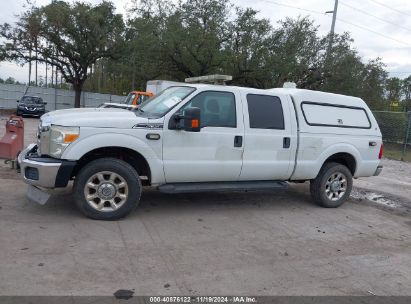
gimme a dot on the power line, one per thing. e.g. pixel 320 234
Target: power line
pixel 375 32
pixel 376 17
pixel 339 19
pixel 391 8
pixel 295 7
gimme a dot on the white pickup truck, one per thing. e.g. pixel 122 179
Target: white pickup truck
pixel 204 138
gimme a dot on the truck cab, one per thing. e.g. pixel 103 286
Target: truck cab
pixel 198 137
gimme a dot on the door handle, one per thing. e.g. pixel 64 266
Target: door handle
pixel 238 141
pixel 286 142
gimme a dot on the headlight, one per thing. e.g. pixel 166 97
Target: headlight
pixel 60 138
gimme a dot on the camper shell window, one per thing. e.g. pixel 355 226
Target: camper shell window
pixel 334 115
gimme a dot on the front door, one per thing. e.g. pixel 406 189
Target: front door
pixel 214 153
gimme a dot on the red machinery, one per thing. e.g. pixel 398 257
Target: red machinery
pixel 13 141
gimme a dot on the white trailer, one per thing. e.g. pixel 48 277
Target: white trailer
pixel 156 86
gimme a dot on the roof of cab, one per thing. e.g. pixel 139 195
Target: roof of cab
pixel 300 95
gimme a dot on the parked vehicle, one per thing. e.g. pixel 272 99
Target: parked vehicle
pixel 135 98
pixel 31 105
pixel 197 137
pixel 132 101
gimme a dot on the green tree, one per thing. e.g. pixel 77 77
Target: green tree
pixel 248 50
pixel 10 80
pixel 406 93
pixel 71 37
pixel 172 40
pixel 372 84
pixel 406 88
pixel 194 35
pixel 296 53
pixel 393 89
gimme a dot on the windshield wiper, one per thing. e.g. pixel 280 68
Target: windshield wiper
pixel 142 111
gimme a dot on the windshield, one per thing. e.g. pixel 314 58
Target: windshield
pixel 129 99
pixel 32 100
pixel 160 104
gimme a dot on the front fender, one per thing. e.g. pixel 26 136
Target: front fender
pixel 89 143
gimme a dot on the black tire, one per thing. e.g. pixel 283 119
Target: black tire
pixel 124 173
pixel 320 185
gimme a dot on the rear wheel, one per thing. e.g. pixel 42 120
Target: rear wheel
pixel 107 189
pixel 333 185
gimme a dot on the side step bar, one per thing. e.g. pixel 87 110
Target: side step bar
pixel 222 186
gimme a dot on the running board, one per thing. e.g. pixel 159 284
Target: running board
pixel 222 186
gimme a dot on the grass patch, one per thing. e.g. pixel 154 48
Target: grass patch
pixel 394 151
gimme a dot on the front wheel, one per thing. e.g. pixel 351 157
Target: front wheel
pixel 107 189
pixel 332 186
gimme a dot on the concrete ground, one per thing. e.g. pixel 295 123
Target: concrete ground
pixel 394 181
pixel 255 243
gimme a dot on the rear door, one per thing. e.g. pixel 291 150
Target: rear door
pixel 270 142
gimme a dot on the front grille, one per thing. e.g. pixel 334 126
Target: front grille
pixel 31 173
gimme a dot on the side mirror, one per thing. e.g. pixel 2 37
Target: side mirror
pixel 192 121
pixel 44 102
pixel 18 100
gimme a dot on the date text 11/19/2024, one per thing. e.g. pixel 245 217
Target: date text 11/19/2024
pixel 203 299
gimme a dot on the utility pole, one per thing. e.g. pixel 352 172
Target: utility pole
pixel 330 44
pixel 46 74
pixel 30 67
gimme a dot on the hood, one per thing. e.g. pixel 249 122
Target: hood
pixel 93 117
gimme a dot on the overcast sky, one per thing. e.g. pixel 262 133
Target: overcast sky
pixel 380 28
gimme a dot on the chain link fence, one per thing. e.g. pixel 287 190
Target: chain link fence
pixel 396 133
pixel 56 98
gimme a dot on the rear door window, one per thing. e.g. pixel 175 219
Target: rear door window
pixel 265 112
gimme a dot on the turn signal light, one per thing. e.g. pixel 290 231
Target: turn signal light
pixel 68 138
pixel 194 123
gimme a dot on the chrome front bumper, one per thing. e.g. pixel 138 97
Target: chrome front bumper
pixel 44 172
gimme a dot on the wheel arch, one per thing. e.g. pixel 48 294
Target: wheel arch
pixel 345 159
pixel 115 145
pixel 132 157
pixel 344 154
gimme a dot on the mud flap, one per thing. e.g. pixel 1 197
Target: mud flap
pixel 37 195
